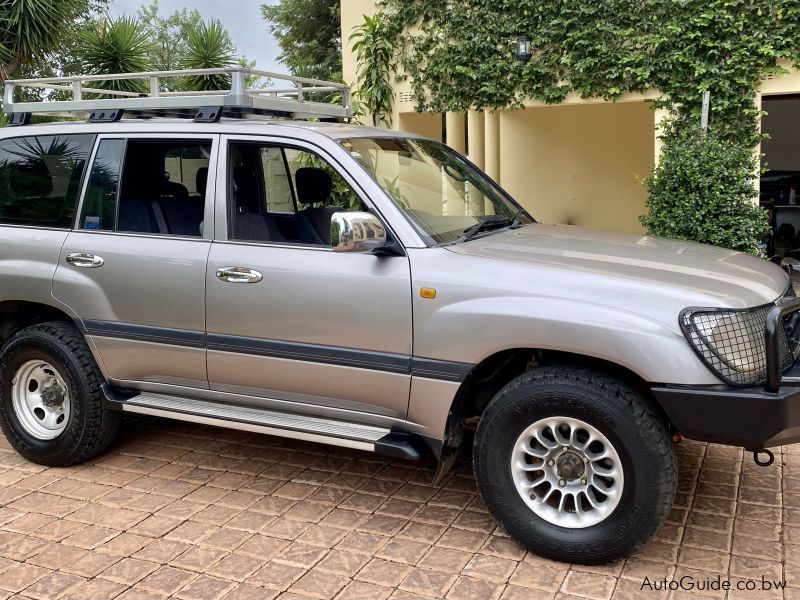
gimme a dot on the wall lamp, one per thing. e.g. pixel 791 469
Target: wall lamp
pixel 524 48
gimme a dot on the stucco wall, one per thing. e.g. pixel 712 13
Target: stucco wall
pixel 353 12
pixel 579 164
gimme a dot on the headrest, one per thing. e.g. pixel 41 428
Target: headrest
pixel 31 181
pixel 313 185
pixel 245 189
pixel 201 179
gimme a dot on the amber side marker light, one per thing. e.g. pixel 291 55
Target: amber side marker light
pixel 428 293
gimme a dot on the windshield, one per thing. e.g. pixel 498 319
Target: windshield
pixel 442 194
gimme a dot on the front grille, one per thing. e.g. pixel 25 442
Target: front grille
pixel 791 323
pixel 731 342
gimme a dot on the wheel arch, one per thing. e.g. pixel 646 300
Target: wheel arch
pixel 495 371
pixel 18 314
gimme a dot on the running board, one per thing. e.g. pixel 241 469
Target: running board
pixel 382 440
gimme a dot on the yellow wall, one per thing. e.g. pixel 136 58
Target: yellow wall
pixel 427 124
pixel 579 164
pixel 353 12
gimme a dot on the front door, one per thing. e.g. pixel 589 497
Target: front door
pixel 288 320
pixel 134 267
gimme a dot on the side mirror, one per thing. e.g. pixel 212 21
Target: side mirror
pixel 356 232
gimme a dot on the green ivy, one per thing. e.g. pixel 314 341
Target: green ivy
pixel 460 55
pixel 463 52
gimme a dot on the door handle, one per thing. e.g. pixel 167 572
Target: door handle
pixel 85 260
pixel 239 275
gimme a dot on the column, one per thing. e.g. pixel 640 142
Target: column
pixel 492 144
pixel 659 115
pixel 475 137
pixel 456 132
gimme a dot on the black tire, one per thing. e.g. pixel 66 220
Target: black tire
pixel 637 431
pixel 90 428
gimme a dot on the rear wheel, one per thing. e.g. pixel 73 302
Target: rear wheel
pixel 575 464
pixel 50 397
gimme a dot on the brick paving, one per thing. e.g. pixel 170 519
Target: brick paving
pixel 175 510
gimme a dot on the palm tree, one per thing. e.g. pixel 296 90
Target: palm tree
pixel 209 46
pixel 116 46
pixel 30 29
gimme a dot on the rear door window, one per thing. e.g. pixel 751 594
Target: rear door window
pixel 154 186
pixel 40 179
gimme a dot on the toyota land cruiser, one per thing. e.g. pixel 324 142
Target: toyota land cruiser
pixel 370 289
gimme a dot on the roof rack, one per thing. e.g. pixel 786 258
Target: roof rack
pixel 238 101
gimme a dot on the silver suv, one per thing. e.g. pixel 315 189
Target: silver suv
pixel 374 290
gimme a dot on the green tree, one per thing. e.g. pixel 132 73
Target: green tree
pixel 372 42
pixel 116 46
pixel 32 30
pixel 309 33
pixel 168 34
pixel 209 46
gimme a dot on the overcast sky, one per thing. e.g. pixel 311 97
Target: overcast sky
pixel 242 18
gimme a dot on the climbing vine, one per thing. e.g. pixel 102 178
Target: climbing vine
pixel 460 55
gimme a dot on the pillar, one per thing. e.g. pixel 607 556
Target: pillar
pixel 475 138
pixel 456 131
pixel 492 144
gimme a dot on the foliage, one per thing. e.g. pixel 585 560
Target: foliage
pixel 373 43
pixel 309 35
pixel 703 190
pixel 168 34
pixel 463 52
pixel 30 30
pixel 209 46
pixel 595 49
pixel 116 46
pixel 460 54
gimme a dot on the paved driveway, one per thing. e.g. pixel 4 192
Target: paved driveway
pixel 195 512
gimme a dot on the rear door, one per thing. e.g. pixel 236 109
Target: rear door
pixel 134 267
pixel 40 182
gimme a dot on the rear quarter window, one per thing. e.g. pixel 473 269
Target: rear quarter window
pixel 40 179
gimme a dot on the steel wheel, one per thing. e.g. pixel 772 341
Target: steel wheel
pixel 40 399
pixel 567 472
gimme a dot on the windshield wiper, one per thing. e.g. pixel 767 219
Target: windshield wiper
pixel 490 224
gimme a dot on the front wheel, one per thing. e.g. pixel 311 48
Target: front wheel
pixel 50 398
pixel 575 464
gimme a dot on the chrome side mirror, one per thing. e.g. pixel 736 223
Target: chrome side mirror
pixel 356 232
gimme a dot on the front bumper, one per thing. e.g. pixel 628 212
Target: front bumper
pixel 752 418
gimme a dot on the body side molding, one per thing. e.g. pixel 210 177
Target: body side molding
pixel 334 355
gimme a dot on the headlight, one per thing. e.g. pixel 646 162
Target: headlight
pixel 731 342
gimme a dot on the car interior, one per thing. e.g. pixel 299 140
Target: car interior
pixel 150 201
pixel 311 203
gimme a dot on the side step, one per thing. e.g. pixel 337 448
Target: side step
pixel 371 438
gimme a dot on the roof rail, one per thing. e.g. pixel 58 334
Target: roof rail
pixel 238 101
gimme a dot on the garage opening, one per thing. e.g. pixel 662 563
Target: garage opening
pixel 780 183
